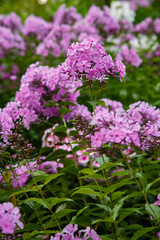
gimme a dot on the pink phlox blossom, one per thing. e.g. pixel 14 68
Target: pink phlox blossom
pixel 130 56
pixel 68 233
pixel 36 26
pixel 9 217
pixel 66 15
pixel 157 25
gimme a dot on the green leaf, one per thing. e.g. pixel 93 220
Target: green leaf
pixel 86 191
pixel 29 227
pixel 52 176
pixel 102 103
pixel 117 207
pixel 66 103
pixel 40 201
pixel 75 149
pixel 59 153
pixel 151 184
pixel 64 110
pixel 102 159
pixel 81 210
pixel 128 211
pixel 50 103
pixel 153 210
pixel 113 187
pixel 88 171
pixel 64 212
pixel 95 176
pixel 133 226
pixel 121 173
pixel 142 179
pixel 108 165
pixel 39 173
pixel 59 129
pixel 28 189
pixel 142 232
pixel 93 103
pixel 55 201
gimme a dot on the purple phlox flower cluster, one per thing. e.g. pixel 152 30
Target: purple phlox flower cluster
pixel 134 4
pixel 10 74
pixel 16 111
pixel 157 25
pixel 70 233
pixel 66 15
pixel 139 126
pixel 50 166
pixel 21 173
pixel 67 26
pixel 102 20
pixel 36 26
pixel 130 56
pixel 88 59
pixel 148 117
pixel 12 21
pixel 126 26
pixel 10 42
pixel 61 34
pixel 6 125
pixel 84 29
pixel 148 26
pixel 40 82
pixel 10 114
pixel 9 218
pixel 57 41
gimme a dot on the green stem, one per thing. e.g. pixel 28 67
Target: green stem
pixel 141 190
pixel 39 190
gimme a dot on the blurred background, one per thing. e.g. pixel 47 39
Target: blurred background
pixel 47 8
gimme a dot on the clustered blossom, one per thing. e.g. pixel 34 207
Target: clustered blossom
pixel 41 83
pixel 10 42
pixel 134 4
pixel 130 56
pixel 88 59
pixel 36 26
pixel 9 218
pixel 102 20
pixel 139 126
pixel 12 21
pixel 53 38
pixel 66 15
pixel 70 232
pixel 9 74
pixel 148 26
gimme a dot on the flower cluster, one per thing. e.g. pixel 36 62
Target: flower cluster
pixel 137 127
pixel 36 26
pixel 12 21
pixel 69 233
pixel 134 4
pixel 130 56
pixel 41 83
pixel 89 59
pixel 10 42
pixel 148 26
pixel 9 218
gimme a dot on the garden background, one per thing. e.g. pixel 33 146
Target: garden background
pixel 79 119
